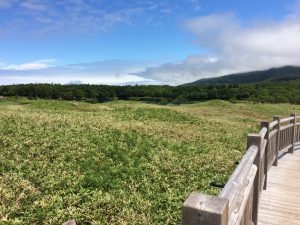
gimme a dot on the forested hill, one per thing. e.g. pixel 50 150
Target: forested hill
pixel 273 92
pixel 259 86
pixel 275 74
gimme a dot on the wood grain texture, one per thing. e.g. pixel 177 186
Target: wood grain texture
pixel 279 204
pixel 297 135
pixel 263 132
pixel 293 134
pixel 277 147
pixel 286 119
pixel 273 123
pixel 242 201
pixel 265 125
pixel 201 209
pixel 256 140
pixel 242 213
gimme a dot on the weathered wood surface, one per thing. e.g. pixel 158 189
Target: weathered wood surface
pixel 280 203
pixel 242 201
pixel 201 209
pixel 286 119
pixel 273 123
pixel 297 135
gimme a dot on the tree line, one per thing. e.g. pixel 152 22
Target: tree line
pixel 267 92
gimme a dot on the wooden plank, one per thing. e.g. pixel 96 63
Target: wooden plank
pixel 240 185
pixel 280 203
pixel 201 209
pixel 273 124
pixel 256 140
pixel 284 120
pixel 273 133
pixel 240 174
pixel 277 118
pixel 238 202
pixel 265 124
pixel 263 132
pixel 242 214
pixel 286 126
pixel 297 133
pixel 286 148
pixel 293 134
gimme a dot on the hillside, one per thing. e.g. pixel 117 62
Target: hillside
pixel 274 74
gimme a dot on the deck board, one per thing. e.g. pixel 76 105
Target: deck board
pixel 280 203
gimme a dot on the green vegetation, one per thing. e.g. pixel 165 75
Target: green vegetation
pixel 120 162
pixel 264 92
pixel 277 85
pixel 285 73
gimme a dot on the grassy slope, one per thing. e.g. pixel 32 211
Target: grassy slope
pixel 119 162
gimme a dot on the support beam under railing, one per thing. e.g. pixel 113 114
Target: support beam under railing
pixel 293 136
pixel 277 126
pixel 265 124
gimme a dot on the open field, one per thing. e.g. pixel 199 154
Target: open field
pixel 118 162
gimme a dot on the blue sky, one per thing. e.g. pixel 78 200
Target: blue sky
pixel 143 42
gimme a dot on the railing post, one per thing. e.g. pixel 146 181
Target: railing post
pixel 256 139
pixel 277 118
pixel 266 125
pixel 200 209
pixel 291 150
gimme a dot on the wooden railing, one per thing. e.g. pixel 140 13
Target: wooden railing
pixel 238 202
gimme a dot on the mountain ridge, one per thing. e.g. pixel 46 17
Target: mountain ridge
pixel 284 73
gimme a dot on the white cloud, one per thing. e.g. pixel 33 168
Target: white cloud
pixel 36 65
pixel 5 4
pixel 295 7
pixel 233 48
pixel 33 5
pixel 116 72
pixel 68 78
pixel 50 18
pixel 57 18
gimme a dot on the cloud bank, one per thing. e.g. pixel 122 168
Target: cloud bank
pixel 232 48
pixel 112 72
pixel 36 65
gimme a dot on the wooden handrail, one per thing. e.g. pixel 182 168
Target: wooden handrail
pixel 286 119
pixel 238 202
pixel 273 132
pixel 286 126
pixel 273 124
pixel 237 190
pixel 263 132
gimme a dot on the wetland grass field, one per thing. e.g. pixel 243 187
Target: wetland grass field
pixel 120 162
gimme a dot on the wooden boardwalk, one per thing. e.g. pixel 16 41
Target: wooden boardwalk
pixel 264 188
pixel 280 203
